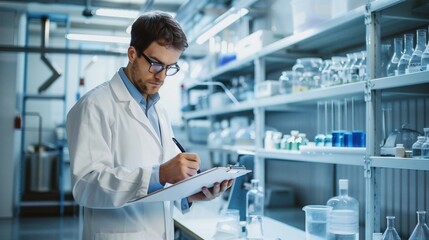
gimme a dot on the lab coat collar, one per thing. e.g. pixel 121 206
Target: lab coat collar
pixel 122 94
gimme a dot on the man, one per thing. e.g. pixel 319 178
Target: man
pixel 120 141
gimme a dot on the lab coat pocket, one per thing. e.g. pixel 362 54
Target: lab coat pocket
pixel 123 236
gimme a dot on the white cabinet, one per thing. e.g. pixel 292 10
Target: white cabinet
pixel 387 181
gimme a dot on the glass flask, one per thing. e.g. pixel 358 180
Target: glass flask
pixel 351 58
pixel 286 82
pixel 385 57
pixel 362 67
pixel 406 55
pixel 393 65
pixel 417 147
pixel 336 70
pixel 425 57
pixel 390 233
pixel 354 68
pixel 425 146
pixel 421 231
pixel 298 73
pixel 344 217
pixel 325 81
pixel 416 59
pixel 254 211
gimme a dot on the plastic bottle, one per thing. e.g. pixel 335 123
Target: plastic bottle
pixel 81 88
pixel 392 67
pixel 425 57
pixel 421 231
pixel 400 150
pixel 254 211
pixel 390 233
pixel 417 147
pixel 291 141
pixel 344 217
pixel 416 59
pixel 406 56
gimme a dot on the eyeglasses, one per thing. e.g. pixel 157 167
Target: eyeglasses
pixel 156 67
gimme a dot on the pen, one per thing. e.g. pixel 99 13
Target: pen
pixel 182 149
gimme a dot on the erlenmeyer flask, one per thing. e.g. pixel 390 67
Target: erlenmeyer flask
pixel 406 56
pixel 393 64
pixel 425 57
pixel 390 233
pixel 421 231
pixel 416 59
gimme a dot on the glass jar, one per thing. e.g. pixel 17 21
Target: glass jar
pixel 306 74
pixel 416 58
pixel 286 82
pixel 406 56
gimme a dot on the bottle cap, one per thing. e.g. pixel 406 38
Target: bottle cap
pixel 399 145
pixel 421 138
pixel 344 183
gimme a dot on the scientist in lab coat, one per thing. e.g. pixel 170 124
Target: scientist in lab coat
pixel 120 141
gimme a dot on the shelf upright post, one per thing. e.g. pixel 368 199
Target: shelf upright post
pixel 259 113
pixel 373 110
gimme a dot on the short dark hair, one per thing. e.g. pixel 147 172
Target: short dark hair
pixel 157 27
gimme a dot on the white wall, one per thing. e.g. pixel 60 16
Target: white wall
pixel 9 141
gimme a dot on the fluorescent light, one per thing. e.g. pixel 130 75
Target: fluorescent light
pixel 97 38
pixel 221 25
pixel 109 12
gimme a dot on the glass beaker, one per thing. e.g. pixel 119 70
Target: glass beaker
pixel 406 56
pixel 229 223
pixel 392 67
pixel 390 233
pixel 425 57
pixel 421 231
pixel 316 221
pixel 416 58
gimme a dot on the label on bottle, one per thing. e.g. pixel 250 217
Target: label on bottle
pixel 344 222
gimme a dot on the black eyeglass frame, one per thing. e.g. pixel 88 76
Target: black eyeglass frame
pixel 161 66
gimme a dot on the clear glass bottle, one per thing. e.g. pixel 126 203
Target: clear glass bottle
pixel 425 146
pixel 354 69
pixel 351 58
pixel 362 67
pixel 254 211
pixel 325 81
pixel 406 55
pixel 385 57
pixel 336 69
pixel 425 57
pixel 390 233
pixel 417 147
pixel 286 82
pixel 416 59
pixel 421 231
pixel 397 53
pixel 344 217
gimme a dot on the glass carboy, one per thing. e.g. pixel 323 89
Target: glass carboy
pixel 344 217
pixel 390 233
pixel 425 57
pixel 416 59
pixel 421 231
pixel 254 211
pixel 397 49
pixel 406 55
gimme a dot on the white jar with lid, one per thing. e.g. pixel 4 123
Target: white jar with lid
pixel 400 150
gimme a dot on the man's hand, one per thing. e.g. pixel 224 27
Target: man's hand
pixel 182 166
pixel 208 194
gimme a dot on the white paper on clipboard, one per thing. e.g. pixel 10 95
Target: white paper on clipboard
pixel 194 184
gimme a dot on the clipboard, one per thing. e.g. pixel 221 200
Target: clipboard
pixel 194 184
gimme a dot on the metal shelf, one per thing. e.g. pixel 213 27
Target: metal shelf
pixel 319 157
pixel 400 163
pixel 401 81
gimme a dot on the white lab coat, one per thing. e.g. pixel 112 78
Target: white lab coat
pixel 113 147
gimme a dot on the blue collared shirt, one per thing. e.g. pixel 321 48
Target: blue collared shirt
pixel 150 112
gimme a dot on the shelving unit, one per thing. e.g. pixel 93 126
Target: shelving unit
pixel 366 26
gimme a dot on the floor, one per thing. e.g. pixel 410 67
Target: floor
pixel 47 228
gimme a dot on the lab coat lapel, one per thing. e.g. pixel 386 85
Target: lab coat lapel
pixel 134 109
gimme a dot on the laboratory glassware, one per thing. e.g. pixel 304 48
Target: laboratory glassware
pixel 229 223
pixel 385 57
pixel 406 55
pixel 344 217
pixel 286 82
pixel 316 221
pixel 324 75
pixel 425 146
pixel 362 67
pixel 421 231
pixel 351 58
pixel 392 67
pixel 354 68
pixel 417 147
pixel 425 57
pixel 390 233
pixel 336 70
pixel 254 211
pixel 416 59
pixel 292 141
